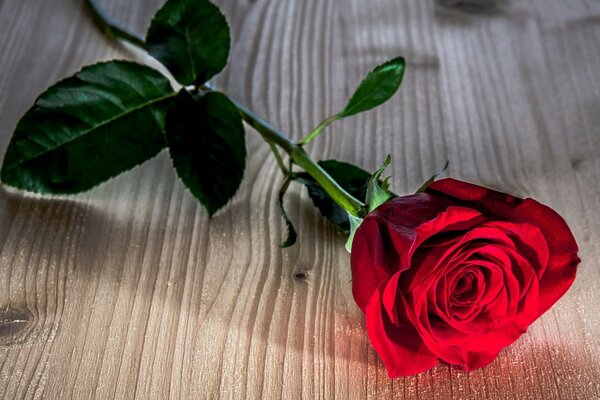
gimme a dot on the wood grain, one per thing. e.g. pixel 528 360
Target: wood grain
pixel 130 291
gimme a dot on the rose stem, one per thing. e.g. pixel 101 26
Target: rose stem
pixel 267 131
pixel 111 28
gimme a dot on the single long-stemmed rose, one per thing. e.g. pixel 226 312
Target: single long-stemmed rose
pixel 451 274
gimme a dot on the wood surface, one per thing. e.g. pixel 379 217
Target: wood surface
pixel 130 291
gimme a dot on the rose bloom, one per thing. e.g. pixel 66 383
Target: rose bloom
pixel 457 273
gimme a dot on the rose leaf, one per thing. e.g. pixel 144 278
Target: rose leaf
pixel 377 87
pixel 206 142
pixel 88 128
pixel 191 38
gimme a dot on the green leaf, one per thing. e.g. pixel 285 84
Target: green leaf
pixel 377 87
pixel 377 191
pixel 104 120
pixel 191 38
pixel 352 178
pixel 205 136
pixel 354 224
pixel 433 177
pixel 291 231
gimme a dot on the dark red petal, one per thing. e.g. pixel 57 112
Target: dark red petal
pixel 469 351
pixel 510 208
pixel 369 262
pixel 404 214
pixel 388 299
pixel 529 241
pixel 557 279
pixel 454 218
pixel 478 359
pixel 528 307
pixel 399 346
pixel 490 345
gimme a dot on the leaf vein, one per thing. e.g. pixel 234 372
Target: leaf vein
pixel 97 126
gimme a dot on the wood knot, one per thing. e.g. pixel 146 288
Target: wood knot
pixel 14 323
pixel 576 163
pixel 300 276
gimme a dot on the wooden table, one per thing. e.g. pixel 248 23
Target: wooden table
pixel 130 291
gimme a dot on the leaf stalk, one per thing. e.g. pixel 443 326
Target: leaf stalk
pixel 111 28
pixel 319 128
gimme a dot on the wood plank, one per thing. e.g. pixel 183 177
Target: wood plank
pixel 130 291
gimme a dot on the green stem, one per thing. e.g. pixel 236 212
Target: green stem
pixel 303 160
pixel 333 189
pixel 318 129
pixel 111 28
pixel 268 132
pixel 278 158
pixel 265 129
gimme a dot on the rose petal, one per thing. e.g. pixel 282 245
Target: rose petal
pixel 557 279
pixel 388 299
pixel 399 346
pixel 510 208
pixel 369 261
pixel 469 351
pixel 455 218
pixel 528 307
pixel 529 241
pixel 489 345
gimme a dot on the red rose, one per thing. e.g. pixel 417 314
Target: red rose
pixel 457 273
